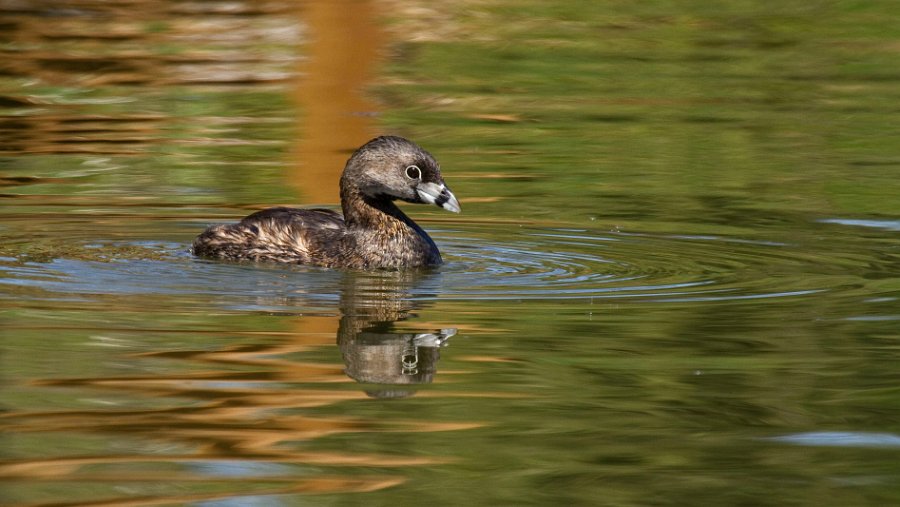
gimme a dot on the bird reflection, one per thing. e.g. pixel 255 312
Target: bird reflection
pixel 373 351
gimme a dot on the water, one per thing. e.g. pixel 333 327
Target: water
pixel 675 279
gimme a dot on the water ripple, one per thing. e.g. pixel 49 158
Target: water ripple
pixel 567 263
pixel 538 263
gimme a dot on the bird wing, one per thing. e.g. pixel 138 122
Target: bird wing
pixel 295 218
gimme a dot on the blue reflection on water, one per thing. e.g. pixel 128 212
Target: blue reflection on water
pixel 889 225
pixel 840 439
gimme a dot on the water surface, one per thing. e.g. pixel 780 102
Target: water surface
pixel 675 279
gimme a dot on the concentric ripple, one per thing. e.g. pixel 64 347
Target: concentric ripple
pixel 580 263
pixel 481 263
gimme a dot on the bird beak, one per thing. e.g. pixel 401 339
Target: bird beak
pixel 439 195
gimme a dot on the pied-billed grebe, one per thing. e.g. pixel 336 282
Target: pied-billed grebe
pixel 373 233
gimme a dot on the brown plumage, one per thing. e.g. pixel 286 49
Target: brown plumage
pixel 373 232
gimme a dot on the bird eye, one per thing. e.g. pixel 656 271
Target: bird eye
pixel 413 172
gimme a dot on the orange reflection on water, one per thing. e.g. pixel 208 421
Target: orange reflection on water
pixel 343 51
pixel 244 411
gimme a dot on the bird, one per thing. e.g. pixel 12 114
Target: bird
pixel 373 233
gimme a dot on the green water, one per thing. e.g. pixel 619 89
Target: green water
pixel 675 279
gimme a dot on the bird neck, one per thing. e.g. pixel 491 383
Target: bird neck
pixel 371 213
pixel 378 226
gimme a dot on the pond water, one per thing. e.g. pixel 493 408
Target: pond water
pixel 675 280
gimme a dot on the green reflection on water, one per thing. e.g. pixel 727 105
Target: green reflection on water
pixel 661 112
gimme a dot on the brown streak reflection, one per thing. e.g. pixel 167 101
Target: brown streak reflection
pixel 105 49
pixel 309 486
pixel 61 467
pixel 247 404
pixel 343 50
